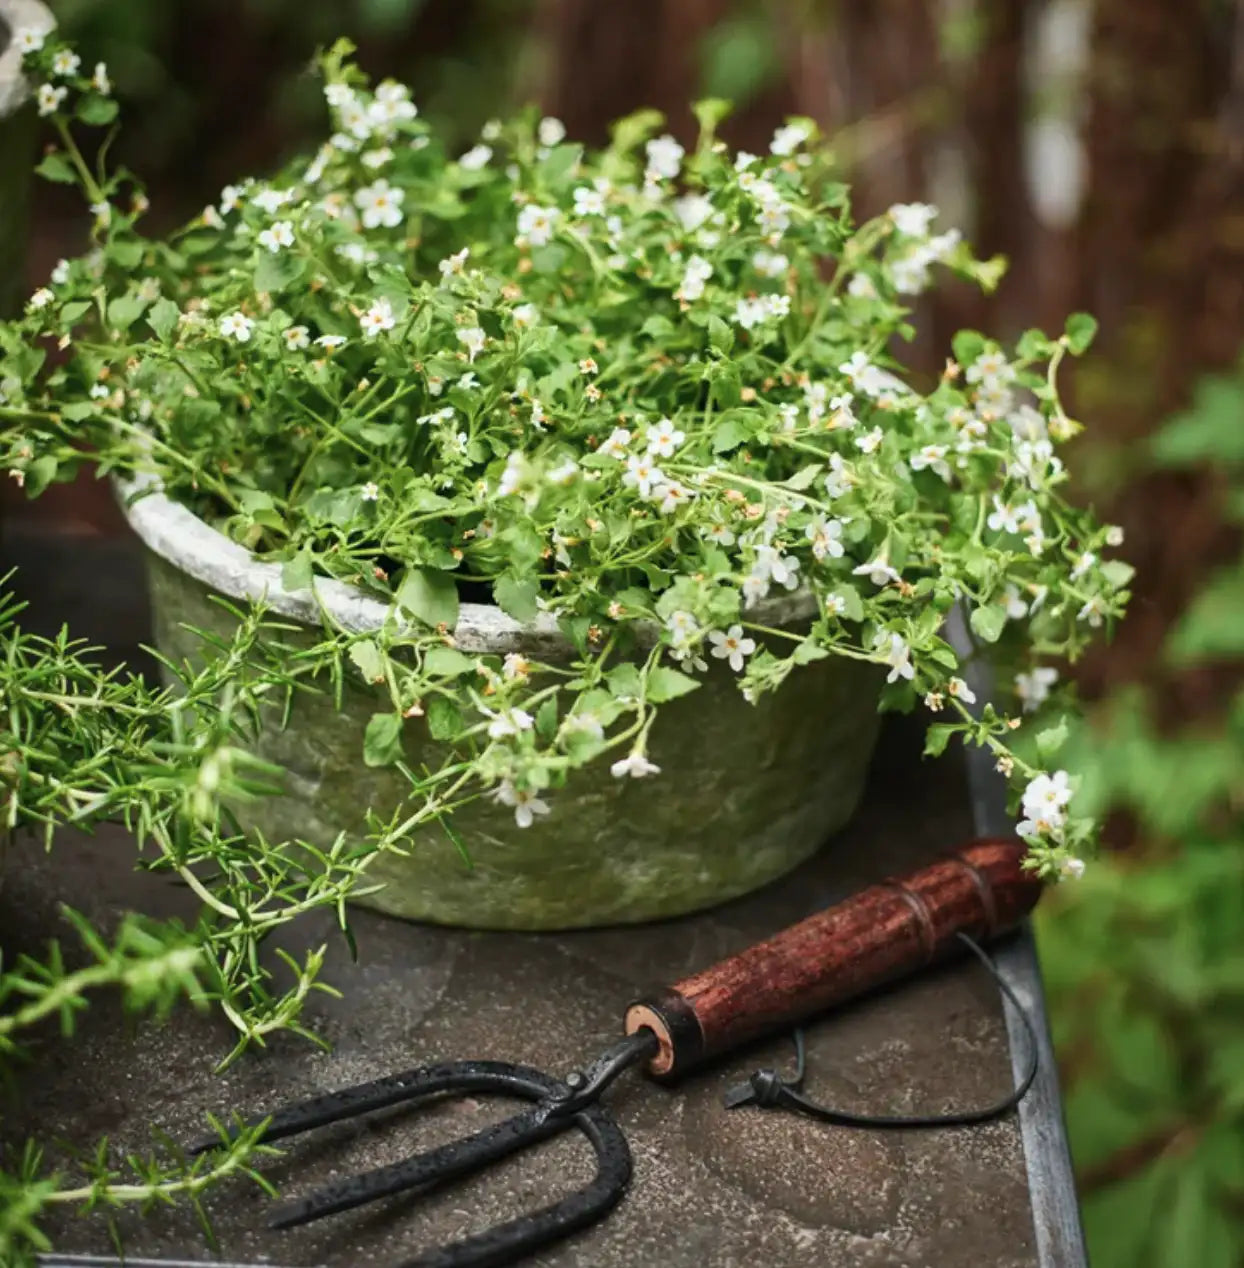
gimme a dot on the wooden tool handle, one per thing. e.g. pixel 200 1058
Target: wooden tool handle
pixel 881 934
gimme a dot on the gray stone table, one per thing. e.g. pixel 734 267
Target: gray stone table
pixel 711 1187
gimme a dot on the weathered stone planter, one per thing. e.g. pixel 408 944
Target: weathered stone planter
pixel 16 142
pixel 746 792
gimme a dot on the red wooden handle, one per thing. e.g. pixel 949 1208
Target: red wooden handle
pixel 883 933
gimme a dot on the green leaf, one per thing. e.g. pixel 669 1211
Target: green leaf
pixel 668 684
pixel 561 161
pixel 710 112
pixel 1080 329
pixel 278 270
pixel 96 110
pixel 624 680
pixel 729 434
pixel 720 336
pixel 74 311
pixel 369 661
pixel 297 573
pixel 1051 740
pixel 382 741
pixel 447 662
pixel 1117 573
pixel 988 622
pixel 128 253
pixel 429 596
pixel 967 345
pixel 937 736
pixel 76 411
pixel 1208 432
pixel 516 597
pixel 803 478
pixel 163 318
pixel 807 652
pixel 657 327
pixel 444 720
pixel 1033 344
pixel 727 386
pixel 853 605
pixel 125 310
pixel 549 259
pixel 546 719
pixel 56 167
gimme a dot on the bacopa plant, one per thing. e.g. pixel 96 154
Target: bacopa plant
pixel 640 388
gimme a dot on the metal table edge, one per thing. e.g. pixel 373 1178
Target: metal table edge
pixel 1043 1130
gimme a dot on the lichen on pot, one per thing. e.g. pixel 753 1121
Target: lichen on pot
pixel 746 793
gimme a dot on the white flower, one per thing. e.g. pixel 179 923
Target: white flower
pixel 1035 462
pixel 683 627
pixel 1083 564
pixel 664 157
pixel 236 326
pixel 835 605
pixel 913 219
pixel 961 691
pixel 878 571
pixel 516 667
pixel 990 369
pixel 331 341
pixel 538 416
pixel 377 319
pixel 370 491
pixel 1094 612
pixel 474 339
pixel 272 200
pixel 1028 424
pixel 230 199
pixel 99 392
pixel 1114 534
pixel 212 219
pixel 788 139
pixel 696 275
pixel 692 210
pixel 28 39
pixel 1033 689
pixel 525 315
pixel 564 472
pixel 453 264
pixel 671 496
pixel 770 264
pixel 664 438
pixel 50 98
pixel 838 481
pixel 732 646
pixel 526 804
pixel 616 443
pixel 588 201
pixel 743 160
pixel 65 62
pixel 861 286
pixel 296 338
pixel 392 104
pixel 754 312
pixel 102 212
pixel 551 132
pixel 381 204
pixel 1003 518
pixel 642 474
pixel 719 534
pixel 280 234
pixel 536 225
pixel 1045 801
pixel 637 766
pixel 475 158
pixel 825 536
pixel 100 81
pixel 1071 869
pixel 508 722
pixel 41 298
pixel 1013 602
pixel 934 458
pixel 60 274
pixel 870 440
pixel 898 657
pixel 774 219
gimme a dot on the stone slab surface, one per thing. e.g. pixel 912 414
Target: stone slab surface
pixel 711 1187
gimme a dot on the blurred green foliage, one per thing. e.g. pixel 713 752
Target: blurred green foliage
pixel 1144 958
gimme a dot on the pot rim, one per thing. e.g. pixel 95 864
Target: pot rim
pixel 18 15
pixel 181 538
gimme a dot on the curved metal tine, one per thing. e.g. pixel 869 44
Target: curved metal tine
pixel 363 1098
pixel 458 1158
pixel 508 1242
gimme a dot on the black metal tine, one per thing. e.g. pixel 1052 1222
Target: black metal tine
pixel 363 1098
pixel 448 1162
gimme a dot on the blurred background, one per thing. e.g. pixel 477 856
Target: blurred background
pixel 1099 145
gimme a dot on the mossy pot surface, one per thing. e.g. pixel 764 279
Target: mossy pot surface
pixel 746 791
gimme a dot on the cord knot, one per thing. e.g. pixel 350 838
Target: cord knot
pixel 766 1086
